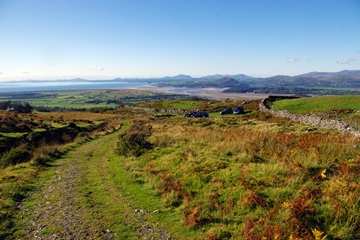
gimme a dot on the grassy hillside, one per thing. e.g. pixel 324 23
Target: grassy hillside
pixel 345 108
pixel 319 104
pixel 250 176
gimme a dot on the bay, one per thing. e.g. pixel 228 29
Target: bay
pixel 22 86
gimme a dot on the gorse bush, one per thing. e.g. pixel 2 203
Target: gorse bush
pixel 135 141
pixel 45 153
pixel 15 156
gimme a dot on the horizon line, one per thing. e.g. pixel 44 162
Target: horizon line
pixel 144 78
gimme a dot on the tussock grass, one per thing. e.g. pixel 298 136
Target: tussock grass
pixel 15 183
pixel 228 178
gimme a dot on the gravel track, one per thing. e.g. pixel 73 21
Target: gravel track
pixel 56 212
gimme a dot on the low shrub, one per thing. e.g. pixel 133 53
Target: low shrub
pixel 135 141
pixel 44 154
pixel 14 156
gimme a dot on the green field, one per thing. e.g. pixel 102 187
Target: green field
pixel 85 99
pixel 318 104
pixel 345 108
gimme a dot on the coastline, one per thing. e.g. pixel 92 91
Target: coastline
pixel 210 93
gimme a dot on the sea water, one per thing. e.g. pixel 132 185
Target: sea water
pixel 21 86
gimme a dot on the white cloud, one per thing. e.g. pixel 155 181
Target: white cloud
pixel 292 60
pixel 98 69
pixel 349 61
pixel 25 72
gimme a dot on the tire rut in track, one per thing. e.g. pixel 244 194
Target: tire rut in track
pixel 57 214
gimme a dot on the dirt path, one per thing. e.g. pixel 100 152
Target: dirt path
pixel 67 207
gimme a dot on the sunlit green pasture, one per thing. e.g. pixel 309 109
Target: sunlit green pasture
pixel 191 104
pixel 90 98
pixel 318 104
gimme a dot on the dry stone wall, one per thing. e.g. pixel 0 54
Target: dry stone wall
pixel 311 119
pixel 141 108
pixel 168 111
pixel 173 111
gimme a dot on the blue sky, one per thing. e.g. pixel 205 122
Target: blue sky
pixel 95 39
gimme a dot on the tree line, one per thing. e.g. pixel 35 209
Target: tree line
pixel 16 106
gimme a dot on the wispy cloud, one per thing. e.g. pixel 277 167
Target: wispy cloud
pixel 349 61
pixel 25 72
pixel 98 69
pixel 346 61
pixel 292 60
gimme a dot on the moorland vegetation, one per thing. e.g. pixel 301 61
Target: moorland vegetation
pixel 249 176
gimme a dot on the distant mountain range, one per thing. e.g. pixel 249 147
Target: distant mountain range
pixel 343 82
pixel 210 77
pixel 344 78
pixel 320 76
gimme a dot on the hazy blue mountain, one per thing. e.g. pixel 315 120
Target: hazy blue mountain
pixel 219 76
pixel 179 77
pixel 342 79
pixel 346 79
pixel 354 73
